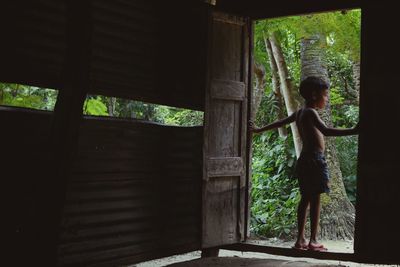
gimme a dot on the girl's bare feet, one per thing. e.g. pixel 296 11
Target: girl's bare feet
pixel 301 244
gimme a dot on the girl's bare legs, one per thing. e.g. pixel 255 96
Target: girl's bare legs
pixel 301 221
pixel 314 218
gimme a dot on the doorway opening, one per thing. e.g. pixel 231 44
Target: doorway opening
pixel 287 50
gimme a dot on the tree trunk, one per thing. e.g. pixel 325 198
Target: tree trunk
pixel 275 85
pixel 337 212
pixel 259 87
pixel 356 78
pixel 1 94
pixel 112 101
pixel 149 112
pixel 289 93
pixel 352 93
pixel 14 90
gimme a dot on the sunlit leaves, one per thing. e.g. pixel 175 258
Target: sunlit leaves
pixel 94 106
pixel 335 97
pixel 184 117
pixel 342 29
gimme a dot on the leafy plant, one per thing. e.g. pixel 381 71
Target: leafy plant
pixel 94 106
pixel 274 190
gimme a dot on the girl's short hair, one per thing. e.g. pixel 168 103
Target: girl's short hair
pixel 312 84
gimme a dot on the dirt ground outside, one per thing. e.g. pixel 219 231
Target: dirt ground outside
pixel 248 257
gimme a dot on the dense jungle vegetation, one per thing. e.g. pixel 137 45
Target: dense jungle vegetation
pixel 286 51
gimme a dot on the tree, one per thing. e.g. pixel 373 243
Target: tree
pixel 275 84
pixel 1 95
pixel 259 88
pixel 289 93
pixel 112 103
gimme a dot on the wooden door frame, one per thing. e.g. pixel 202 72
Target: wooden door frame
pixel 249 135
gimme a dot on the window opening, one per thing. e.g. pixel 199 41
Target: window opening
pixel 98 105
pixel 26 96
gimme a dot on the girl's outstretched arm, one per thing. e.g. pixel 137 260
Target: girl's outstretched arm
pixel 276 124
pixel 328 131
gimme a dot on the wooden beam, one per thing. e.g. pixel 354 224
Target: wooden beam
pixel 288 252
pixel 261 9
pixel 231 90
pixel 291 252
pixel 67 116
pixel 222 167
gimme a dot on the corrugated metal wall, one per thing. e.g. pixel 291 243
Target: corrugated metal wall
pixel 124 44
pixel 23 153
pixel 24 134
pixel 33 45
pixel 134 193
pixel 153 51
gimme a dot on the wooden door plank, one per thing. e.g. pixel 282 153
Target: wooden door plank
pixel 229 90
pixel 225 166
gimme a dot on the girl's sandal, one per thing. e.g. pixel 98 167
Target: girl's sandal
pixel 319 248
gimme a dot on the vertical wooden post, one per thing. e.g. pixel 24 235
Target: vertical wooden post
pixel 64 133
pixel 249 136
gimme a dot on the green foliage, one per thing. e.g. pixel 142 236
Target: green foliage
pixel 335 97
pixel 342 30
pixel 347 147
pixel 158 113
pixel 183 117
pixel 274 190
pixel 274 194
pixel 94 106
pixel 27 96
pixel 344 114
pixel 124 108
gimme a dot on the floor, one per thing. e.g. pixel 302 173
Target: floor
pixel 229 258
pixel 250 262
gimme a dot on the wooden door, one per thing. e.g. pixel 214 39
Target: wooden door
pixel 225 126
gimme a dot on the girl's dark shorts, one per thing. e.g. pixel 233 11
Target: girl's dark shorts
pixel 312 173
